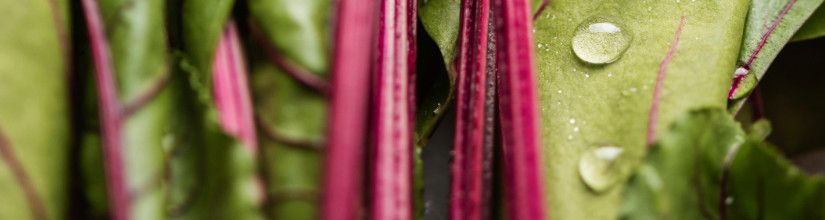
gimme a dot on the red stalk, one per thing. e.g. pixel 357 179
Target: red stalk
pixel 110 113
pixel 231 89
pixel 519 110
pixel 653 117
pixel 392 151
pixel 467 186
pixel 353 35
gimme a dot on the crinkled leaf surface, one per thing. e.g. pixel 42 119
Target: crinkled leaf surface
pixel 298 29
pixel 34 106
pixel 586 106
pixel 680 178
pixel 814 27
pixel 292 173
pixel 790 15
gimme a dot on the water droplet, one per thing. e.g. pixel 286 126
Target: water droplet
pixel 576 129
pixel 559 92
pixel 729 200
pixel 437 108
pixel 598 41
pixel 572 121
pixel 609 74
pixel 603 167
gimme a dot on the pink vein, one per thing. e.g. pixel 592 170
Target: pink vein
pixel 467 165
pixel 36 206
pixel 391 182
pixel 541 9
pixel 231 89
pixel 57 18
pixel 769 32
pixel 519 111
pixel 354 22
pixel 660 80
pixel 297 72
pixel 110 113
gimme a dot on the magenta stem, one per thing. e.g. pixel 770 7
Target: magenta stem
pixel 349 93
pixel 110 114
pixel 653 116
pixel 231 89
pixel 519 111
pixel 391 180
pixel 467 185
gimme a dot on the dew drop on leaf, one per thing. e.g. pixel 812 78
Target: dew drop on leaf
pixel 598 41
pixel 603 167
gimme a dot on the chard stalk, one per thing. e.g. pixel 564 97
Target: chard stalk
pixel 392 124
pixel 353 34
pixel 467 200
pixel 110 115
pixel 231 89
pixel 519 110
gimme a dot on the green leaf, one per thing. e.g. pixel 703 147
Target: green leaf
pixel 682 177
pixel 770 25
pixel 814 27
pixel 440 19
pixel 292 173
pixel 435 74
pixel 34 107
pixel 586 106
pixel 679 179
pixel 206 162
pixel 298 29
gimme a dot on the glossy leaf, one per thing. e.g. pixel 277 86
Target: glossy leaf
pixel 34 109
pixel 586 106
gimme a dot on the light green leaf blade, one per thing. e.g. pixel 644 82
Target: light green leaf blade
pixel 586 106
pixel 814 27
pixel 34 107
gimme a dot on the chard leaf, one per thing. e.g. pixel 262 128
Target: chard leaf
pixel 770 25
pixel 586 106
pixel 814 27
pixel 705 168
pixel 298 29
pixel 215 164
pixel 34 110
pixel 292 115
pixel 137 40
pixel 292 172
